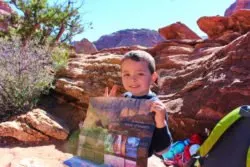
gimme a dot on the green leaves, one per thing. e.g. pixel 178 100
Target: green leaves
pixel 41 20
pixel 60 57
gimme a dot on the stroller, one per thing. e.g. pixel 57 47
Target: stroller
pixel 228 144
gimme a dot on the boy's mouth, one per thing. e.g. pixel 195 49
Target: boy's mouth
pixel 134 86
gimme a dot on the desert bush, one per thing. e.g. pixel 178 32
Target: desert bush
pixel 25 74
pixel 60 56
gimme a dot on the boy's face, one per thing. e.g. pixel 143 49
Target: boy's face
pixel 136 77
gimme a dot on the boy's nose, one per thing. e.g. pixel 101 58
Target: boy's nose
pixel 133 78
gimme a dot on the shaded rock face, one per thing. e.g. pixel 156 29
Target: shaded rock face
pixel 65 108
pixel 129 37
pixel 84 46
pixel 237 5
pixel 177 31
pixel 200 80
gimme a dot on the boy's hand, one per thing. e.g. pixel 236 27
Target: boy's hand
pixel 112 92
pixel 160 113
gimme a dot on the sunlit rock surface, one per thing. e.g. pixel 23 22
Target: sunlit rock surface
pixel 200 80
pixel 177 31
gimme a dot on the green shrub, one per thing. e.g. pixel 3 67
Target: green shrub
pixel 60 56
pixel 25 74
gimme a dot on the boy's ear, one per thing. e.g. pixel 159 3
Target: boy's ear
pixel 154 77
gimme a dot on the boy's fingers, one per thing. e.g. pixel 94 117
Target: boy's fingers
pixel 106 93
pixel 153 107
pixel 156 107
pixel 113 90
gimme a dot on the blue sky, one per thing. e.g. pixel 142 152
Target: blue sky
pixel 109 16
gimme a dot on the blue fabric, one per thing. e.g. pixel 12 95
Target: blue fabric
pixel 78 162
pixel 151 96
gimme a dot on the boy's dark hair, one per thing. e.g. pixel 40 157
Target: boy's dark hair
pixel 139 55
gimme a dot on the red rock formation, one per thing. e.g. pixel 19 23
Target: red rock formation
pixel 35 126
pixel 214 26
pixel 201 80
pixel 87 75
pixel 226 28
pixel 177 31
pixel 84 46
pixel 210 83
pixel 239 4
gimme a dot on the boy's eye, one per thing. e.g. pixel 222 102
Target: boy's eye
pixel 141 74
pixel 125 75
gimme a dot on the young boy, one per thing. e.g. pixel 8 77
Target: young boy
pixel 138 73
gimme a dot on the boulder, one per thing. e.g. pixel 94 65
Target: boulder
pixel 84 46
pixel 177 31
pixel 226 28
pixel 34 126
